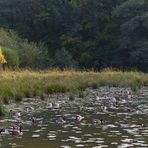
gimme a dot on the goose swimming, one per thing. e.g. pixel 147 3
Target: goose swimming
pixel 12 130
pixel 60 120
pixel 98 121
pixel 15 114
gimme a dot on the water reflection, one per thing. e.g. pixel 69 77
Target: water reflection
pixel 125 123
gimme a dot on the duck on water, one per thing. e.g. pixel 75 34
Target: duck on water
pixel 15 114
pixel 98 121
pixel 12 130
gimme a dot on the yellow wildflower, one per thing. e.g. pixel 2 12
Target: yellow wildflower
pixel 2 57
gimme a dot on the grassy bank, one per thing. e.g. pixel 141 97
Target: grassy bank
pixel 19 84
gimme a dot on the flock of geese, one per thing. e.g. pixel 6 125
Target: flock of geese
pixel 70 117
pixel 16 128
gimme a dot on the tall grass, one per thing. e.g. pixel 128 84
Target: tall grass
pixel 19 84
pixel 2 113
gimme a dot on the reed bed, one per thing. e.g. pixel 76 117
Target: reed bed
pixel 27 83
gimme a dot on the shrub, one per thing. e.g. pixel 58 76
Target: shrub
pixel 27 93
pixel 7 94
pixel 31 55
pixel 12 58
pixel 5 100
pixel 42 96
pixel 82 87
pixel 94 85
pixel 81 94
pixel 71 97
pixel 55 88
pixel 18 97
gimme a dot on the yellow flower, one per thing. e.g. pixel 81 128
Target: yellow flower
pixel 2 57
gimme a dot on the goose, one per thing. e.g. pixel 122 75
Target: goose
pixel 129 94
pixel 28 109
pixel 98 121
pixel 15 114
pixel 49 105
pixel 36 120
pixel 17 130
pixel 98 98
pixel 56 105
pixel 79 117
pixel 114 99
pixel 123 101
pixel 1 130
pixel 105 109
pixel 12 130
pixel 69 117
pixel 4 132
pixel 60 120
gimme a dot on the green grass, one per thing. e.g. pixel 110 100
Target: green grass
pixel 19 84
pixel 2 113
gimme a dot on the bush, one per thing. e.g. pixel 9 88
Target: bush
pixel 28 93
pixel 55 89
pixel 8 93
pixel 94 85
pixel 81 94
pixel 71 97
pixel 31 55
pixel 12 58
pixel 18 97
pixel 42 96
pixel 5 100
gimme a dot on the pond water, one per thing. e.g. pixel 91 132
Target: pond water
pixel 125 124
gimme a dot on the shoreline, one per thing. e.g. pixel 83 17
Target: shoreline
pixel 16 85
pixel 79 98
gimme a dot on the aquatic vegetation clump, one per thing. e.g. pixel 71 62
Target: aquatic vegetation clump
pixel 94 85
pixel 19 84
pixel 6 100
pixel 18 97
pixel 55 88
pixel 81 94
pixel 71 97
pixel 2 112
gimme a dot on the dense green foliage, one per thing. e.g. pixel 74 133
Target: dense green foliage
pixel 79 33
pixel 19 52
pixel 12 58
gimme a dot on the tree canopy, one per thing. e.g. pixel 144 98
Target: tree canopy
pixel 80 33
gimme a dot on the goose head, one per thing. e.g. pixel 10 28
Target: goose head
pixel 79 117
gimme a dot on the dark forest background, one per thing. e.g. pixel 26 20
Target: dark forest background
pixel 78 34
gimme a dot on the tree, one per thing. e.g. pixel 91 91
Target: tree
pixel 63 59
pixel 95 33
pixel 2 58
pixel 31 55
pixel 132 17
